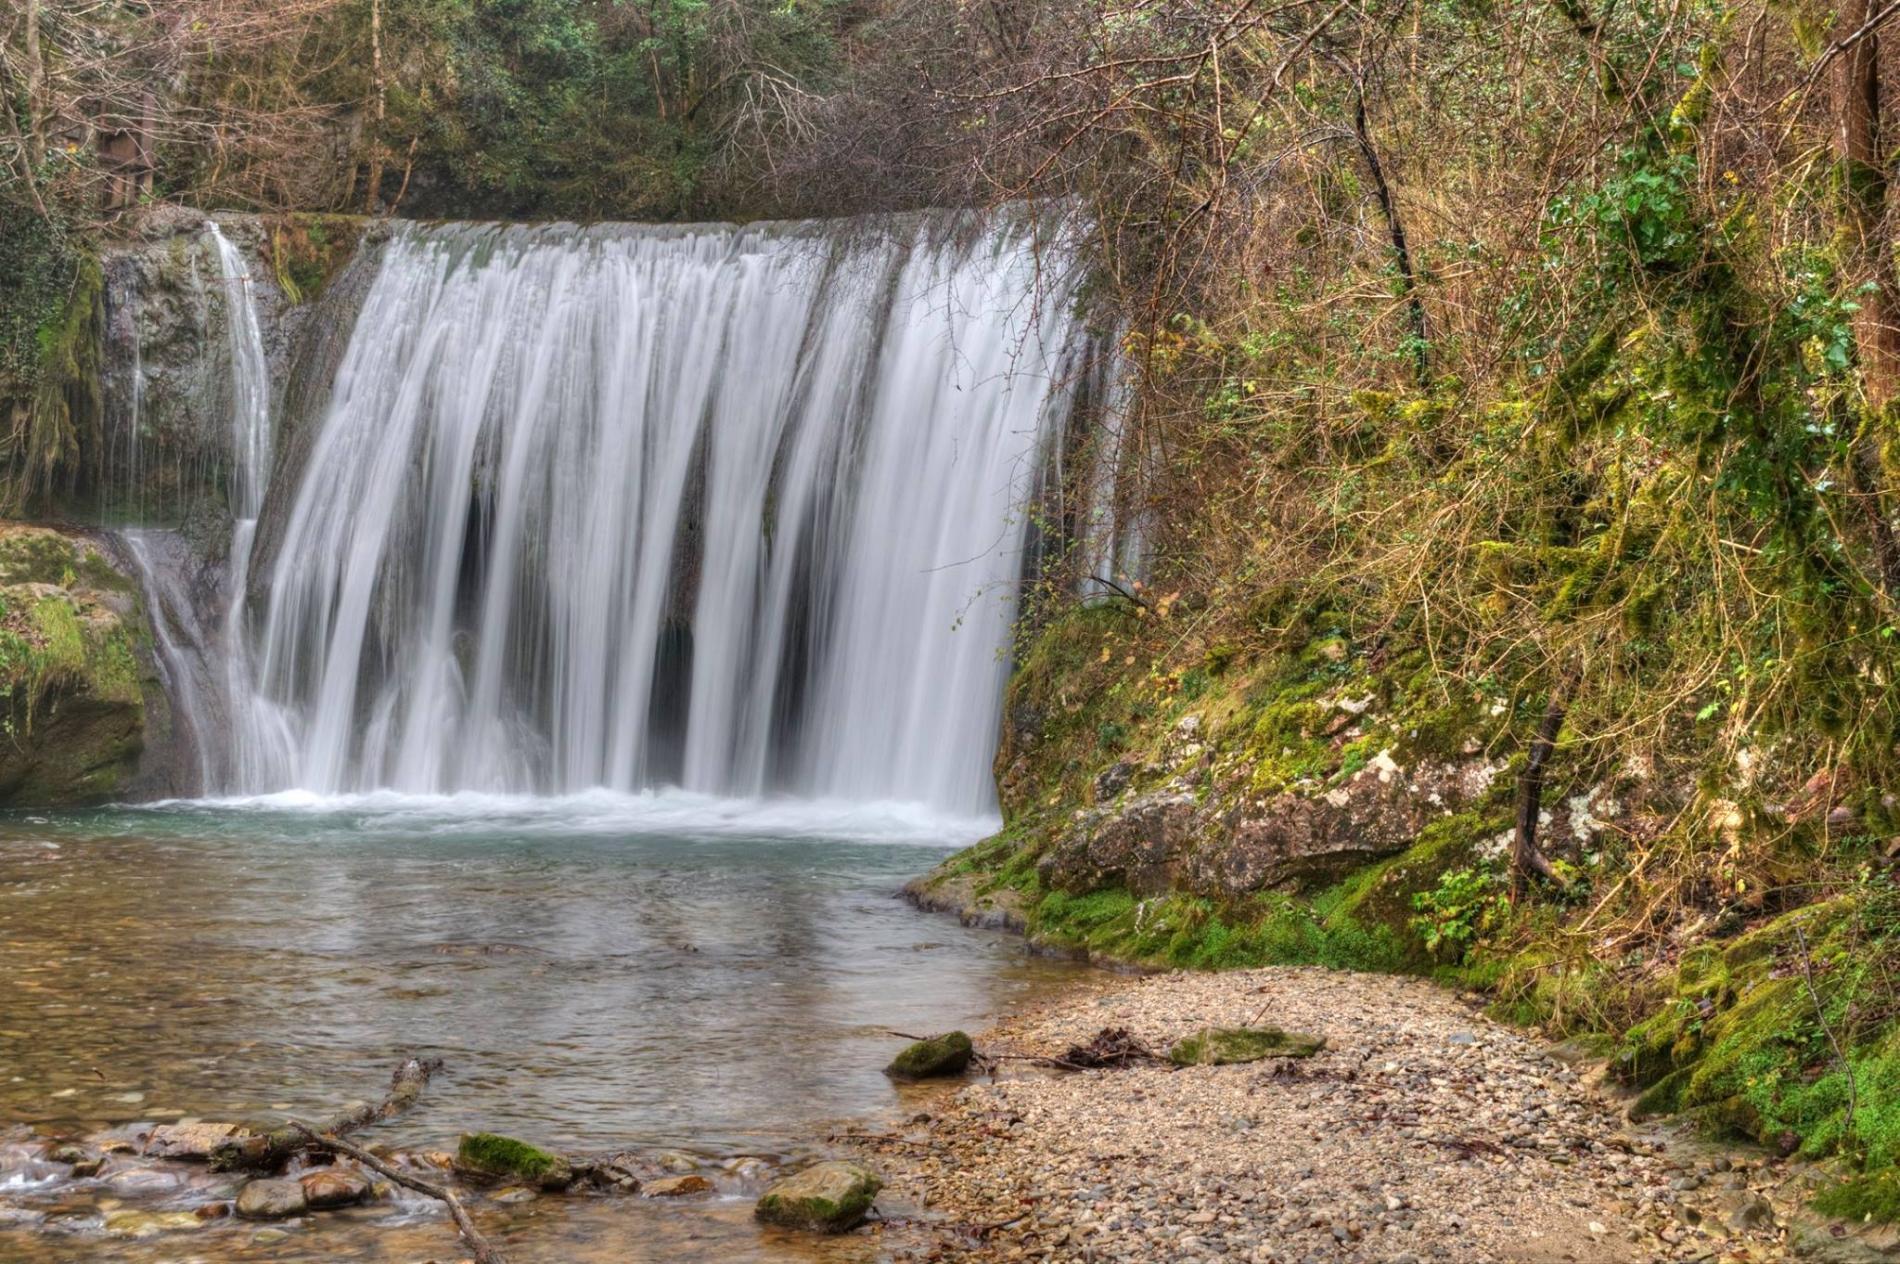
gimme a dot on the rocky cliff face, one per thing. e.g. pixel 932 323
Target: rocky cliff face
pixel 165 449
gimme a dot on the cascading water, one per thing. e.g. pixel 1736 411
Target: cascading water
pixel 736 509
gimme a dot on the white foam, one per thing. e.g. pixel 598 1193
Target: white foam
pixel 597 812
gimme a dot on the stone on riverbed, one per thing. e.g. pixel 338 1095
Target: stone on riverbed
pixel 271 1199
pixel 948 1054
pixel 333 1187
pixel 495 1157
pixel 84 1162
pixel 1222 1046
pixel 677 1186
pixel 193 1142
pixel 824 1198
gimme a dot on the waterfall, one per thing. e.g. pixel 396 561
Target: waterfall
pixel 736 509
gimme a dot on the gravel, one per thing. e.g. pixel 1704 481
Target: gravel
pixel 1422 1133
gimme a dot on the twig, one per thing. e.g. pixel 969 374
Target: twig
pixel 485 1253
pixel 269 1151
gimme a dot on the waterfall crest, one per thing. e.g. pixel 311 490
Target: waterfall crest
pixel 737 509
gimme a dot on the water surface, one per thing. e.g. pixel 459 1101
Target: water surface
pixel 600 972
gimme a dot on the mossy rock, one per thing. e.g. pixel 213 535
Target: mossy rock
pixel 494 1157
pixel 75 689
pixel 939 1056
pixel 832 1197
pixel 1225 1046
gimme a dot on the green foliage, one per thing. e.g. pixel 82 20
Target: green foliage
pixel 1461 909
pixel 556 108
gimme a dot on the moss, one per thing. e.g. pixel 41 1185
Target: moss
pixel 1875 1197
pixel 497 1157
pixel 59 656
pixel 1186 932
pixel 1746 1041
pixel 944 1055
pixel 1381 895
pixel 1223 1046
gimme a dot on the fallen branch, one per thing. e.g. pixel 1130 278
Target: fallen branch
pixel 269 1151
pixel 485 1253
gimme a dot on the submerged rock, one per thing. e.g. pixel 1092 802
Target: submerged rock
pixel 149 1224
pixel 948 1054
pixel 271 1199
pixel 677 1186
pixel 84 1162
pixel 831 1197
pixel 333 1187
pixel 495 1157
pixel 1221 1046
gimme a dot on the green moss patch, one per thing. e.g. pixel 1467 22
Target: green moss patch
pixel 496 1157
pixel 1874 1198
pixel 1223 1046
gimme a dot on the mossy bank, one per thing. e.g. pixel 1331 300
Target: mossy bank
pixel 1322 798
pixel 81 700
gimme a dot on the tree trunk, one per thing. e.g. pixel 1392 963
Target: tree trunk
pixel 1527 860
pixel 1870 273
pixel 1864 181
pixel 1401 252
pixel 378 111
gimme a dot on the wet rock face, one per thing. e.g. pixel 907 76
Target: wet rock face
pixel 167 375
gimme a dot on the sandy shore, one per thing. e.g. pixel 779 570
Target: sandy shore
pixel 1423 1132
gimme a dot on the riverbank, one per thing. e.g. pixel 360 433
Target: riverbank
pixel 1423 1131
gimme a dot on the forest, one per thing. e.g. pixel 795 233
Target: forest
pixel 1504 452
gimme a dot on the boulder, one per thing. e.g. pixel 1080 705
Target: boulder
pixel 1222 1046
pixel 831 1197
pixel 490 1156
pixel 75 676
pixel 948 1054
pixel 271 1199
pixel 334 1187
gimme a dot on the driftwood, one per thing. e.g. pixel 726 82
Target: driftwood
pixel 269 1151
pixel 1111 1047
pixel 485 1253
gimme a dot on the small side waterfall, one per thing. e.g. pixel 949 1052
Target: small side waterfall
pixel 740 510
pixel 205 662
